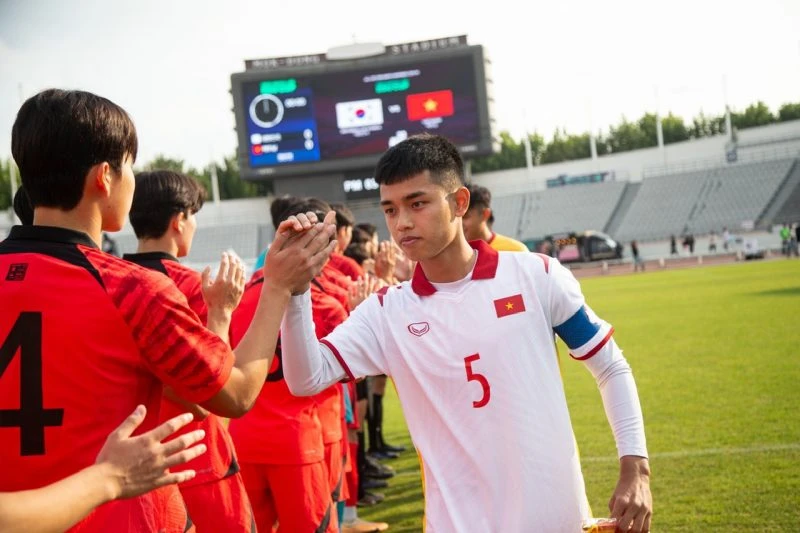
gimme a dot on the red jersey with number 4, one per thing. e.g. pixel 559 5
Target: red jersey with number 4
pixel 220 459
pixel 84 338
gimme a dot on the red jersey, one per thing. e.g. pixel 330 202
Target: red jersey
pixel 220 459
pixel 280 428
pixel 328 313
pixel 336 284
pixel 84 338
pixel 347 266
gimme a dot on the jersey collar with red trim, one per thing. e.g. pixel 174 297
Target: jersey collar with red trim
pixel 151 256
pixel 51 234
pixel 485 268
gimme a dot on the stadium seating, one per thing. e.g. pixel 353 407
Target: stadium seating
pixel 211 241
pixel 568 208
pixel 702 201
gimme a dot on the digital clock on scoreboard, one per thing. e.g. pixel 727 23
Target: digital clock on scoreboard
pixel 342 115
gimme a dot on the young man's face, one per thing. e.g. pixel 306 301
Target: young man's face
pixel 473 221
pixel 121 197
pixel 421 216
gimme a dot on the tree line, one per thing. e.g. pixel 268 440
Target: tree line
pixel 625 136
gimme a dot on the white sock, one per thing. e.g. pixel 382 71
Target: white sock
pixel 350 514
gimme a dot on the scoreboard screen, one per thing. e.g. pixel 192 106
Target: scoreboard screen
pixel 343 115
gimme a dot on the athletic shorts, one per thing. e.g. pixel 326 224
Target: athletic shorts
pixel 290 498
pixel 220 505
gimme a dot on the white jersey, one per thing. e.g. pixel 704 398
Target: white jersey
pixel 477 374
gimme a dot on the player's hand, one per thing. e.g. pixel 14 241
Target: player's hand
pixel 632 504
pixel 224 292
pixel 369 266
pixel 136 465
pixel 385 261
pixel 301 248
pixel 361 289
pixel 404 267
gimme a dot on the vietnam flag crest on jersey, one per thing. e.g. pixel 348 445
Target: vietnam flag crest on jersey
pixel 510 305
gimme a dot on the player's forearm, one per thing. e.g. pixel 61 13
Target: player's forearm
pixel 620 399
pixel 308 367
pixel 56 507
pixel 219 322
pixel 255 351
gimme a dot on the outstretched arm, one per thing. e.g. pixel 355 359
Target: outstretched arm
pixel 308 366
pixel 299 251
pixel 126 466
pixel 631 502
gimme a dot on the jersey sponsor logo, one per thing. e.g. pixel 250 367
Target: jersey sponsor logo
pixel 16 272
pixel 419 328
pixel 510 305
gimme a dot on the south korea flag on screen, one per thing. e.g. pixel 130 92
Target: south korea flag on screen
pixel 359 113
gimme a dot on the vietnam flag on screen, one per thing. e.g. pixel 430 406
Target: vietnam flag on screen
pixel 509 305
pixel 429 105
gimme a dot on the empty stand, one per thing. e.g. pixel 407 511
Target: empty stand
pixel 702 201
pixel 570 208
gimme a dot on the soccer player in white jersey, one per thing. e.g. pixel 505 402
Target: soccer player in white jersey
pixel 469 344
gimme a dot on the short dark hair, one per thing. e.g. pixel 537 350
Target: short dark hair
pixel 360 235
pixel 370 229
pixel 59 135
pixel 278 206
pixel 344 217
pixel 23 207
pixel 357 251
pixel 479 197
pixel 304 205
pixel 159 196
pixel 419 153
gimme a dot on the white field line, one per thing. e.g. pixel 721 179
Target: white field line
pixel 681 454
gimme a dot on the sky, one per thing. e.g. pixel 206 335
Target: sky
pixel 570 64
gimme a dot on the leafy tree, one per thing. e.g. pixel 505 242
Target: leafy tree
pixel 628 136
pixel 789 112
pixel 757 114
pixel 706 126
pixel 5 183
pixel 672 127
pixel 231 185
pixel 566 147
pixel 511 155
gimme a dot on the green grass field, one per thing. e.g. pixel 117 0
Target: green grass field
pixel 716 356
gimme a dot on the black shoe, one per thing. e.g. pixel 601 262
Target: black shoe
pixel 370 483
pixel 392 449
pixel 374 464
pixel 370 499
pixel 382 455
pixel 374 474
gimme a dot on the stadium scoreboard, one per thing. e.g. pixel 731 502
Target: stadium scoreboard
pixel 308 116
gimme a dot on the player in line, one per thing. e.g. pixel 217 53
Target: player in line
pixel 478 218
pixel 163 217
pixel 85 336
pixel 469 344
pixel 281 440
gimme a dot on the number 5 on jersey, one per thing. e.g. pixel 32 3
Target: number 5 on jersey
pixel 480 378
